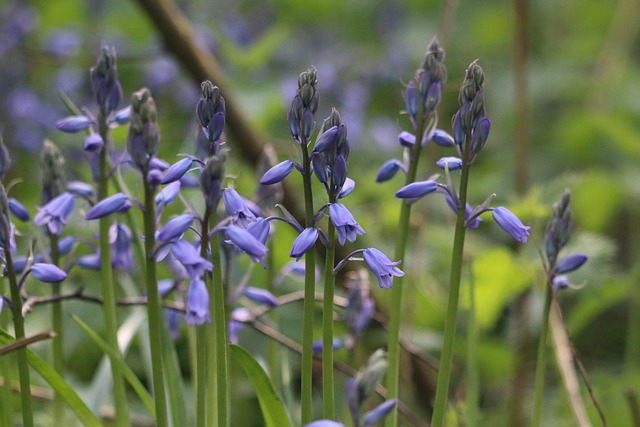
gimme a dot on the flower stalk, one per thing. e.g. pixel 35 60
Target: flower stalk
pixel 328 390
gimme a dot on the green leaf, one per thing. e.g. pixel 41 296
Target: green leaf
pixel 133 380
pixel 272 408
pixel 58 384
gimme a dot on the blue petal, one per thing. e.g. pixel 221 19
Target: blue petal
pixel 452 163
pixel 303 242
pixel 570 263
pixel 511 224
pixel 261 296
pixel 73 123
pixel 388 170
pixel 417 189
pixel 175 228
pixel 107 206
pixel 277 173
pixel 48 273
pixel 18 209
pixel 177 170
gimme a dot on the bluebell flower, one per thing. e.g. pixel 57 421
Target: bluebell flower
pixel 336 344
pixel 407 139
pixel 104 80
pixel 236 208
pixel 246 242
pixel 177 170
pixel 379 412
pixel 17 209
pixel 260 229
pixel 197 308
pixel 89 262
pixel 120 240
pixel 388 170
pixel 277 173
pixel 93 142
pixel 511 224
pixel 168 194
pixel 156 163
pixel 237 319
pixel 261 296
pixel 561 282
pixel 347 188
pixel 382 267
pixel 73 123
pixel 327 142
pixel 324 423
pixel 417 189
pixel 442 138
pixel 452 163
pixel 570 263
pixel 81 189
pixel 468 210
pixel 303 242
pixel 319 166
pixel 187 255
pixel 175 228
pixel 48 273
pixel 20 262
pixel 154 177
pixel 411 99
pixel 479 138
pixel 121 116
pixel 107 206
pixel 54 214
pixel 143 137
pixel 65 245
pixel 346 225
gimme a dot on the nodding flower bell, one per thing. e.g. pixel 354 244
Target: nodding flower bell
pixel 511 224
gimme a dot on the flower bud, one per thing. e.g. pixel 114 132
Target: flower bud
pixel 53 176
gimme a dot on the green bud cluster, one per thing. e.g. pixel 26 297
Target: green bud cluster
pixel 53 176
pixel 144 136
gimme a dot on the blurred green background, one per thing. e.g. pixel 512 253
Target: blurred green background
pixel 581 122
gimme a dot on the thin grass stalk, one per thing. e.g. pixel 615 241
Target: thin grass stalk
pixel 108 287
pixel 446 358
pixel 221 341
pixel 205 359
pixel 57 347
pixel 328 391
pixel 6 370
pixel 473 371
pixel 541 362
pixel 154 313
pixel 395 314
pixel 309 297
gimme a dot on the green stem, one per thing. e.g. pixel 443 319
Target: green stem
pixel 6 369
pixel 327 326
pixel 108 292
pixel 154 313
pixel 541 363
pixel 58 351
pixel 220 325
pixel 309 296
pixel 395 314
pixel 274 353
pixel 446 358
pixel 205 360
pixel 200 378
pixel 18 324
pixel 473 377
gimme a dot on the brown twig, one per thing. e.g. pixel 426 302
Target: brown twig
pixel 27 341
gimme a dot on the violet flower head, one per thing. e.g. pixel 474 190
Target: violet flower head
pixel 211 115
pixel 72 124
pixel 177 170
pixel 187 255
pixel 277 173
pixel 246 242
pixel 175 228
pixel 430 77
pixel 452 163
pixel 304 242
pixel 560 227
pixel 382 267
pixel 107 206
pixel 417 189
pixel 236 208
pixel 168 194
pixel 53 177
pixel 144 136
pixel 511 224
pixel 18 210
pixel 48 273
pixel 570 263
pixel 346 225
pixel 104 81
pixel 388 170
pixel 120 240
pixel 303 106
pixel 197 308
pixel 54 214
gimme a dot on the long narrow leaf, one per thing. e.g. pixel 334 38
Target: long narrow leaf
pixel 58 384
pixel 131 378
pixel 272 408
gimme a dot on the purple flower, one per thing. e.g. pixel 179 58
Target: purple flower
pixel 417 189
pixel 93 142
pixel 383 268
pixel 324 423
pixel 66 244
pixel 238 317
pixel 17 209
pixel 442 138
pixel 327 142
pixel 570 263
pixel 187 255
pixel 411 99
pixel 303 242
pixel 277 173
pixel 73 123
pixel 177 170
pixel 452 163
pixel 407 139
pixel 260 229
pixel 89 262
pixel 246 242
pixel 107 206
pixel 468 209
pixel 175 228
pixel 336 343
pixel 379 412
pixel 168 194
pixel 346 225
pixel 261 296
pixel 54 214
pixel 511 224
pixel 237 208
pixel 561 282
pixel 120 239
pixel 197 310
pixel 48 273
pixel 347 188
pixel 388 170
pixel 81 189
pixel 154 177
